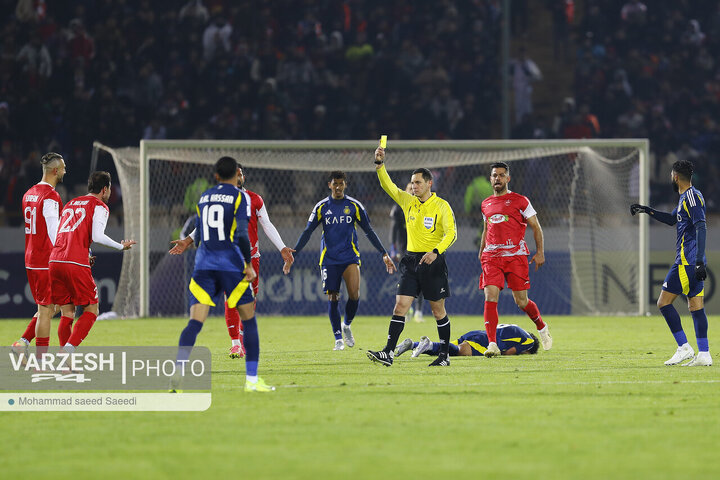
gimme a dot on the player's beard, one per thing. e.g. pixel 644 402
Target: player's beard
pixel 675 186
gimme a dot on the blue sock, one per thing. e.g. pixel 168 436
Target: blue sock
pixel 673 320
pixel 435 349
pixel 351 307
pixel 334 313
pixel 701 327
pixel 251 340
pixel 187 339
pixel 454 350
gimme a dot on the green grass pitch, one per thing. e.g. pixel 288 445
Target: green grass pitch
pixel 600 404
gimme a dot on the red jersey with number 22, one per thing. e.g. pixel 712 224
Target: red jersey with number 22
pixel 75 230
pixel 506 219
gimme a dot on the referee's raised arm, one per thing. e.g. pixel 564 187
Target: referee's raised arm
pixel 400 196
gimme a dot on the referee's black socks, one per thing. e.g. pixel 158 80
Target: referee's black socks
pixel 443 326
pixel 397 324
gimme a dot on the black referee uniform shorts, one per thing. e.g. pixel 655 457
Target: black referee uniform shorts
pixel 431 280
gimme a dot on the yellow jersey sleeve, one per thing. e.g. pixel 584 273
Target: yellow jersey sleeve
pixel 449 228
pixel 400 196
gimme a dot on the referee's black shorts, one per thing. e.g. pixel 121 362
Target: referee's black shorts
pixel 431 280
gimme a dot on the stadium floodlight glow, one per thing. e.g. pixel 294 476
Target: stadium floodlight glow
pixel 580 188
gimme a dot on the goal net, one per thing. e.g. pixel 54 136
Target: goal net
pixel 596 253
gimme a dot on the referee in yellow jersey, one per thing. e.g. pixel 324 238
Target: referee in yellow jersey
pixel 431 230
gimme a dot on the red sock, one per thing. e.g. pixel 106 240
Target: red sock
pixel 232 320
pixel 30 330
pixel 65 329
pixel 491 320
pixel 82 328
pixel 532 311
pixel 41 344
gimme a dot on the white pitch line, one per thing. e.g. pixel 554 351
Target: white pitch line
pixel 486 384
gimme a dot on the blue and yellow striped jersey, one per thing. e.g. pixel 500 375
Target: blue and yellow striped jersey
pixel 508 336
pixel 222 226
pixel 339 219
pixel 690 211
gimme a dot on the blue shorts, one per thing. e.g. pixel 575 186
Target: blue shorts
pixel 207 284
pixel 681 280
pixel 332 276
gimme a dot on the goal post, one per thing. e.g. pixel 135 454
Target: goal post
pixel 597 255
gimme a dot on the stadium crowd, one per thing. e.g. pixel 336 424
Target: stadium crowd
pixel 650 70
pixel 120 70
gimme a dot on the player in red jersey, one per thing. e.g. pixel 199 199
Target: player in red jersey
pixel 41 208
pixel 503 254
pixel 258 214
pixel 82 222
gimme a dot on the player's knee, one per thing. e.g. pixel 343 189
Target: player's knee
pixel 334 296
pixel 661 302
pixel 401 308
pixel 464 349
pixel 521 302
pixel 438 312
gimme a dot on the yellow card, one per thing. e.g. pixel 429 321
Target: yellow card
pixel 383 141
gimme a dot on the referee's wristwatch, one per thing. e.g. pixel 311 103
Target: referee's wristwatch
pixel 435 251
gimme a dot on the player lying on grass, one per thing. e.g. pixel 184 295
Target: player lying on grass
pixel 511 340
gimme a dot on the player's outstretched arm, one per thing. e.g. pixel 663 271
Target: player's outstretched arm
pixel 274 235
pixel 287 255
pixel 179 246
pixel 127 244
pixel 539 257
pixel 664 217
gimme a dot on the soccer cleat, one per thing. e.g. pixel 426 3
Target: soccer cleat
pixel 418 316
pixel 339 344
pixel 702 359
pixel 259 386
pixel 20 348
pixel 175 383
pixel 423 346
pixel 347 333
pixel 386 358
pixel 545 338
pixel 441 361
pixel 492 350
pixel 406 345
pixel 683 352
pixel 237 351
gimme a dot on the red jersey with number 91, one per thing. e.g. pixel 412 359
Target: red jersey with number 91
pixel 75 231
pixel 506 218
pixel 37 240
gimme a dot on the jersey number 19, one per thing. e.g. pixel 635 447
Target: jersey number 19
pixel 212 217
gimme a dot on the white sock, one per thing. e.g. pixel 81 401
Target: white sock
pixel 235 343
pixel 251 378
